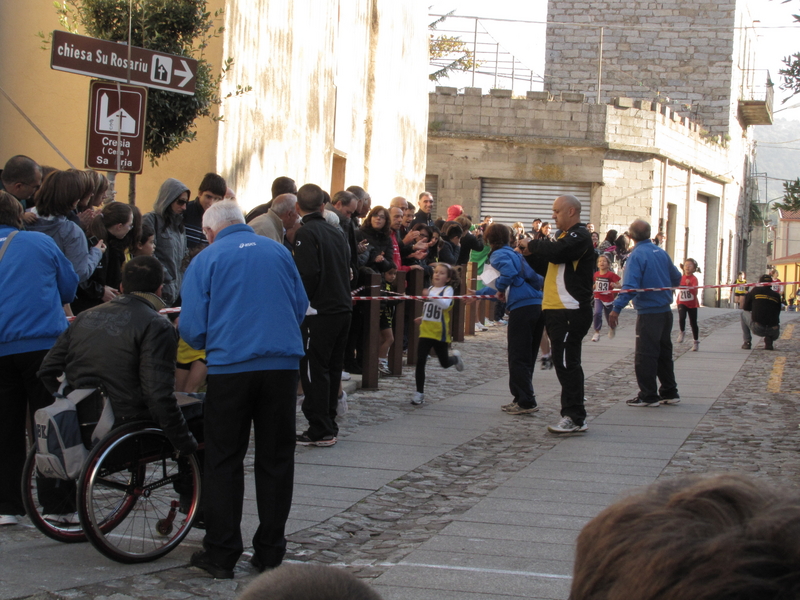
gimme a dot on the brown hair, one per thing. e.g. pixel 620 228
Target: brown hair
pixel 112 214
pixel 10 210
pixel 367 224
pixel 59 193
pixel 497 235
pixel 727 537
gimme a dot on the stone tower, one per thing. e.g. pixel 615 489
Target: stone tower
pixel 696 57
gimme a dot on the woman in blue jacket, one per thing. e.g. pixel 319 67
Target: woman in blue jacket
pixel 519 287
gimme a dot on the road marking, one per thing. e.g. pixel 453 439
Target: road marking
pixel 787 332
pixel 775 378
pixel 477 570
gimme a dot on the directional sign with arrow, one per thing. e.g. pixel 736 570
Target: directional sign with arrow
pixel 118 62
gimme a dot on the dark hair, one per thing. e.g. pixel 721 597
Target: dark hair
pixel 142 274
pixel 283 185
pixel 60 191
pixel 112 214
pixel 345 197
pixel 427 231
pixel 213 183
pixel 20 169
pixel 765 278
pixel 729 537
pixel 359 192
pixel 410 207
pixel 367 224
pixel 308 582
pixel 310 197
pixel 497 235
pixel 454 231
pixel 10 210
pixel 611 236
pixel 146 233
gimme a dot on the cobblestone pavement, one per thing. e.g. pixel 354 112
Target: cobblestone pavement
pixel 747 429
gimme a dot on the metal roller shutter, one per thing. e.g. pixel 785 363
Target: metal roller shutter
pixel 512 200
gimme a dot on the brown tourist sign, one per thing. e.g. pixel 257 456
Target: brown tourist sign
pixel 109 60
pixel 115 137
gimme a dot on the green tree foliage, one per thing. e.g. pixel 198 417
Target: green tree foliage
pixel 791 196
pixel 181 27
pixel 448 52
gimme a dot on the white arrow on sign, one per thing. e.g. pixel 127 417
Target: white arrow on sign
pixel 186 74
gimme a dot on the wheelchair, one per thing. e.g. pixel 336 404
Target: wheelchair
pixel 135 499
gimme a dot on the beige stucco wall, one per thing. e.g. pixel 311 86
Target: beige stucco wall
pixel 297 55
pixel 327 76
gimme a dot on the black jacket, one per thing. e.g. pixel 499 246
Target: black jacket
pixel 128 349
pixel 469 243
pixel 765 304
pixel 379 243
pixel 422 217
pixel 323 260
pixel 448 253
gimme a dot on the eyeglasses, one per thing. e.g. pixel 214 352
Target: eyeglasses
pixel 181 202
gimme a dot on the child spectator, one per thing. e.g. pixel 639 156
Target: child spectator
pixel 146 244
pixel 386 321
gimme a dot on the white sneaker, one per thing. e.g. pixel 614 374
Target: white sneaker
pixel 418 398
pixel 341 406
pixel 383 366
pixel 612 331
pixel 345 376
pixel 681 335
pixel 596 336
pixel 65 519
pixel 566 425
pixel 8 520
pixel 459 362
pixel 696 346
pixel 481 327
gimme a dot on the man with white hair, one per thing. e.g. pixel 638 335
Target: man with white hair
pixel 279 219
pixel 250 328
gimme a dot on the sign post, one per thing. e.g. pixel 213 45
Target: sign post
pixel 115 137
pixel 119 62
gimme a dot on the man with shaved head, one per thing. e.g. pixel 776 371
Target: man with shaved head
pixel 648 266
pixel 566 305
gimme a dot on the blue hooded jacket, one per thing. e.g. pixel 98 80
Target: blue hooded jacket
pixel 518 292
pixel 648 266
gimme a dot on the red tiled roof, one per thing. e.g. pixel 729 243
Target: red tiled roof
pixel 787 260
pixel 789 215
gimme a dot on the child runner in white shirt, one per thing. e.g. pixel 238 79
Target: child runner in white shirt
pixel 434 329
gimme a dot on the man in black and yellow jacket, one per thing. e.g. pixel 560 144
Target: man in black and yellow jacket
pixel 761 314
pixel 567 305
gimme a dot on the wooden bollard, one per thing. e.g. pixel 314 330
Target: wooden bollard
pixel 372 334
pixel 472 312
pixel 398 327
pixel 414 281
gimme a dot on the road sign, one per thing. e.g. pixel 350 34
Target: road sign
pixel 115 138
pixel 109 60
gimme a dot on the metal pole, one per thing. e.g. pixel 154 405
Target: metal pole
pixel 474 50
pixel 600 66
pixel 496 59
pixel 513 60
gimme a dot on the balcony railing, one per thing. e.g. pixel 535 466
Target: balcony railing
pixel 755 100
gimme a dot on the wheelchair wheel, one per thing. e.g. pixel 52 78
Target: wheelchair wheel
pixel 50 504
pixel 136 501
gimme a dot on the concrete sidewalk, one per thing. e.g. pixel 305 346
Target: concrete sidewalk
pixel 456 499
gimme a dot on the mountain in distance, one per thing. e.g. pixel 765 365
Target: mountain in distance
pixel 778 151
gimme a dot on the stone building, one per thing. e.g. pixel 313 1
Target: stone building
pixel 682 165
pixel 338 98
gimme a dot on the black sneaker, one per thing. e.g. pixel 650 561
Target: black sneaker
pixel 302 439
pixel 201 560
pixel 676 399
pixel 746 346
pixel 259 565
pixel 639 402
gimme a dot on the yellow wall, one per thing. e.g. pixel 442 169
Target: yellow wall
pixel 58 103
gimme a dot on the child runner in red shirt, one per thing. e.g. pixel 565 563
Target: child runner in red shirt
pixel 687 301
pixel 605 280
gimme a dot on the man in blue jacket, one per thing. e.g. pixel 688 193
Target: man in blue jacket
pixel 649 266
pixel 243 301
pixel 36 280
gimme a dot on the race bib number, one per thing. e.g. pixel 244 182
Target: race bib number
pixel 686 296
pixel 603 285
pixel 776 288
pixel 741 290
pixel 431 312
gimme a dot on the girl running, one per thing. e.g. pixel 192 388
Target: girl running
pixel 687 301
pixel 605 280
pixel 434 328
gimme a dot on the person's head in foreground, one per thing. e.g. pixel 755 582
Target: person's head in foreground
pixel 308 582
pixel 728 537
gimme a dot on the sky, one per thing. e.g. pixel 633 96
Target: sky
pixel 778 36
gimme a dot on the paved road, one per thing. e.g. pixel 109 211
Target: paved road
pixel 456 499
